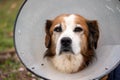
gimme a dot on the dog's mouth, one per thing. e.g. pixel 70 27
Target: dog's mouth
pixel 67 50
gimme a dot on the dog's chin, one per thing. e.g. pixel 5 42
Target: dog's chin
pixel 68 62
pixel 66 51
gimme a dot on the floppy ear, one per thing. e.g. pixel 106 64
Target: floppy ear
pixel 47 30
pixel 93 33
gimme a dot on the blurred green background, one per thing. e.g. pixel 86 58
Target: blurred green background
pixel 10 66
pixel 8 12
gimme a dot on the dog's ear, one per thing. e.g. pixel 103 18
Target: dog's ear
pixel 93 33
pixel 47 30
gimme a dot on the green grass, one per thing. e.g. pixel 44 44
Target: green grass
pixel 9 64
pixel 8 12
pixel 9 68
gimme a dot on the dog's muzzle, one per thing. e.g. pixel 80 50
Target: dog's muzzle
pixel 66 44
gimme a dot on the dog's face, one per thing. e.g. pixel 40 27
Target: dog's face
pixel 71 38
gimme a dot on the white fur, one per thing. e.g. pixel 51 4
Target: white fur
pixel 68 63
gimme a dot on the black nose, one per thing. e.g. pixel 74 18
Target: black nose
pixel 66 41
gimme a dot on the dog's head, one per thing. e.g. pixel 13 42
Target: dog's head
pixel 71 35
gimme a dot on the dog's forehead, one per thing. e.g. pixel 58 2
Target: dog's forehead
pixel 69 19
pixel 59 19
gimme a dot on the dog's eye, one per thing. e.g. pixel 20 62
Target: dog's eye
pixel 58 29
pixel 78 29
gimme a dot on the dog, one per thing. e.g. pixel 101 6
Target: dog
pixel 71 41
